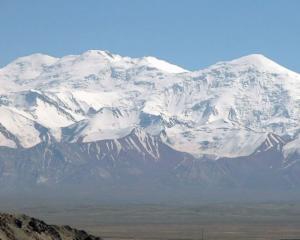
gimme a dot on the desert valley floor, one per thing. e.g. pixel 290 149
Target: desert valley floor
pixel 184 222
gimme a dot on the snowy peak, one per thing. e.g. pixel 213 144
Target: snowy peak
pixel 23 70
pixel 28 67
pixel 100 55
pixel 162 65
pixel 91 69
pixel 149 61
pixel 256 59
pixel 36 59
pixel 259 62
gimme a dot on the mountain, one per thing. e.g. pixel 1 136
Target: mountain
pixel 102 118
pixel 26 228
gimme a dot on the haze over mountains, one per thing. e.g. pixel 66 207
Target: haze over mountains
pixel 103 118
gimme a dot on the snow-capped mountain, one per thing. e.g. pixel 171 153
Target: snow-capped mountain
pixel 225 110
pixel 237 109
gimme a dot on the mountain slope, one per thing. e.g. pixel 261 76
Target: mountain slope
pixel 135 156
pixel 26 228
pixel 141 162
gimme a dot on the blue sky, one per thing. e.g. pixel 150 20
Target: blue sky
pixel 192 34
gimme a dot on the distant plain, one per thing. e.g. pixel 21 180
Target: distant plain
pixel 280 220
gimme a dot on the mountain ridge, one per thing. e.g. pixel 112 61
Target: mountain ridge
pixel 172 104
pixel 103 116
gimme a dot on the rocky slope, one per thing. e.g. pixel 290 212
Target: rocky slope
pixel 139 161
pixel 13 227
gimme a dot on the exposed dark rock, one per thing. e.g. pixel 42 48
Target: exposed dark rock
pixel 23 227
pixel 139 160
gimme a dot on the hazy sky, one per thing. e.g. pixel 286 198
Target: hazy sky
pixel 193 34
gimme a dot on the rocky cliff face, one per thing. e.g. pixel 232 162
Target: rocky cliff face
pixel 13 227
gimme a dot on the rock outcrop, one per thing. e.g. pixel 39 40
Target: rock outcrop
pixel 21 227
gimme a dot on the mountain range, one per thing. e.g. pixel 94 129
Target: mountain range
pixel 103 119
